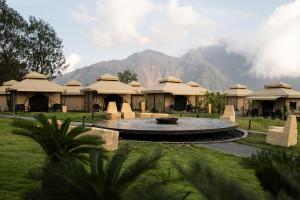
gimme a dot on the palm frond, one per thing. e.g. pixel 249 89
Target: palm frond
pixel 136 169
pixel 113 169
pixel 214 185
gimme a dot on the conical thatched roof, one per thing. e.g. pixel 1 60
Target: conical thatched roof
pixel 109 84
pixel 137 86
pixel 274 91
pixel 238 90
pixel 6 85
pixel 35 82
pixel 73 87
pixel 175 86
pixel 197 88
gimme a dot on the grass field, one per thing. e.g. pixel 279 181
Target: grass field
pixel 19 154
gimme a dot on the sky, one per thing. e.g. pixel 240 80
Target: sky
pixel 265 31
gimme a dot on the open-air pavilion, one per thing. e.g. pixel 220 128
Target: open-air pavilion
pixel 274 98
pixel 72 96
pixel 172 94
pixel 138 97
pixel 35 93
pixel 107 88
pixel 236 96
pixel 4 96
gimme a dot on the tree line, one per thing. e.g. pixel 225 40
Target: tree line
pixel 28 45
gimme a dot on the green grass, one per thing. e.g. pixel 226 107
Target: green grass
pixel 74 116
pixel 19 154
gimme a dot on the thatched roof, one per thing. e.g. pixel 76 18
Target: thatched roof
pixel 6 85
pixel 35 82
pixel 197 88
pixel 137 86
pixel 73 87
pixel 274 91
pixel 109 84
pixel 175 86
pixel 238 90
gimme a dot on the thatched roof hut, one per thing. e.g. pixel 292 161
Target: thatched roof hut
pixel 137 86
pixel 236 96
pixel 107 88
pixel 3 94
pixel 172 93
pixel 72 96
pixel 35 92
pixel 274 97
pixel 138 97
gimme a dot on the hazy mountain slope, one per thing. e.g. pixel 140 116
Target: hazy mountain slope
pixel 213 67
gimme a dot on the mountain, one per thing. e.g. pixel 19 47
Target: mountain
pixel 213 67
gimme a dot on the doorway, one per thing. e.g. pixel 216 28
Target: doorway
pixel 115 98
pixel 267 108
pixel 38 103
pixel 180 102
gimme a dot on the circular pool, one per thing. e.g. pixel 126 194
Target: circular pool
pixel 185 130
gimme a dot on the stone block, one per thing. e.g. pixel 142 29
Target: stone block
pixel 283 136
pixel 143 115
pixel 229 114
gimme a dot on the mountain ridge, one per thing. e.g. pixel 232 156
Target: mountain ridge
pixel 212 67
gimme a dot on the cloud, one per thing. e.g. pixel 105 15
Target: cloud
pixel 274 49
pixel 72 60
pixel 119 23
pixel 178 21
pixel 81 15
pixel 146 24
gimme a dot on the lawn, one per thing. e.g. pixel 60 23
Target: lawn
pixel 19 154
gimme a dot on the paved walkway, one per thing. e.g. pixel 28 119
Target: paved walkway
pixel 225 147
pixel 233 148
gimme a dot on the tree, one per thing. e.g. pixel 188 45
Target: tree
pixel 27 46
pixel 45 49
pixel 103 180
pixel 127 76
pixel 217 101
pixel 57 141
pixel 13 44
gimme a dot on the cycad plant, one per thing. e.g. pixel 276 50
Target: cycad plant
pixel 278 172
pixel 212 184
pixel 57 141
pixel 103 180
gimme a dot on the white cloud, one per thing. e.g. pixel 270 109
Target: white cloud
pixel 119 23
pixel 147 24
pixel 274 49
pixel 72 60
pixel 179 21
pixel 81 15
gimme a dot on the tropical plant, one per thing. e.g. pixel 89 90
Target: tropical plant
pixel 105 179
pixel 217 101
pixel 212 184
pixel 278 171
pixel 57 141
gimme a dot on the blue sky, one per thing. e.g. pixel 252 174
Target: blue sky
pixel 96 30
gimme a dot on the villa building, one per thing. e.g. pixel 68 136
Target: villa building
pixel 274 98
pixel 237 96
pixel 4 96
pixel 72 96
pixel 172 94
pixel 35 93
pixel 107 88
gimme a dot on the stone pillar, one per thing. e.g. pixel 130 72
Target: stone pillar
pixel 209 108
pixel 143 107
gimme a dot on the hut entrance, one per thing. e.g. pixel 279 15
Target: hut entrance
pixel 38 103
pixel 115 98
pixel 180 103
pixel 267 108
